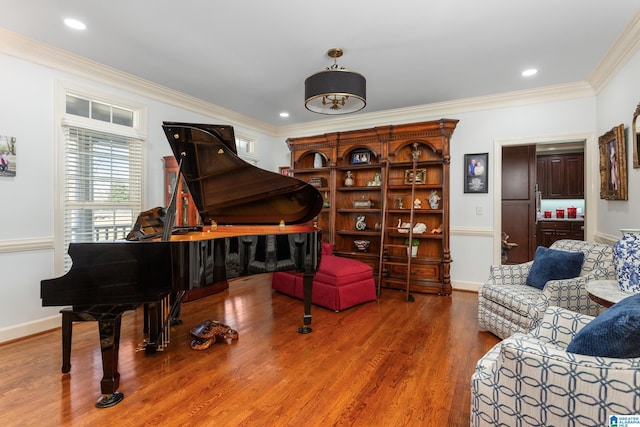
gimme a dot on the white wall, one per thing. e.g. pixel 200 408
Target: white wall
pixel 27 113
pixel 616 104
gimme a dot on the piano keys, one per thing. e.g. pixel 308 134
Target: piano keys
pixel 239 202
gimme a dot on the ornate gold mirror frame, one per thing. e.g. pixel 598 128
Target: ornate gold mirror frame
pixel 635 138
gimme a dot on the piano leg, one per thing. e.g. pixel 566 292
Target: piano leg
pixel 307 282
pixel 109 345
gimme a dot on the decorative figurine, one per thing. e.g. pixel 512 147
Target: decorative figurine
pixel 399 202
pixel 348 181
pixel 437 230
pixel 209 332
pixel 417 204
pixel 434 199
pixel 360 223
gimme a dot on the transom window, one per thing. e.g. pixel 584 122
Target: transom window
pixel 103 167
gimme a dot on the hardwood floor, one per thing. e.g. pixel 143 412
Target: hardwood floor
pixel 386 363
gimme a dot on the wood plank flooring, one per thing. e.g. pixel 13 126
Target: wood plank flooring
pixel 386 363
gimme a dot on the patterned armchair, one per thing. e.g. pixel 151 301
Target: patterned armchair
pixel 506 304
pixel 531 380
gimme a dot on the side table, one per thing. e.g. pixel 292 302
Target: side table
pixel 605 292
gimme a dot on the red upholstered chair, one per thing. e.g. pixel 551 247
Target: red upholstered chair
pixel 339 283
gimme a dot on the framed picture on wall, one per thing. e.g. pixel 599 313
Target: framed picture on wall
pixel 613 164
pixel 476 171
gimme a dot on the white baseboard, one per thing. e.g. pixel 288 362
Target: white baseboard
pixel 30 328
pixel 465 286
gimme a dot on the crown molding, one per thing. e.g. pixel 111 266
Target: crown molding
pixel 444 109
pixel 625 46
pixel 30 50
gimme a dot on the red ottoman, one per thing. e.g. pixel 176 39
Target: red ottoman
pixel 339 283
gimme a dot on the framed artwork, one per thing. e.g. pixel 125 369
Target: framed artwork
pixel 419 177
pixel 285 170
pixel 361 157
pixel 613 164
pixel 635 138
pixel 7 156
pixel 476 171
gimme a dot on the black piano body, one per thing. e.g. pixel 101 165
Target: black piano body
pixel 243 206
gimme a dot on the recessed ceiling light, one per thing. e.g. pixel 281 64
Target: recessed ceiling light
pixel 284 114
pixel 75 24
pixel 530 72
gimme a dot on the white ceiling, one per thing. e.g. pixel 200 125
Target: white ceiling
pixel 252 56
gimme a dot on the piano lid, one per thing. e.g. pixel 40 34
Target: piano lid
pixel 229 190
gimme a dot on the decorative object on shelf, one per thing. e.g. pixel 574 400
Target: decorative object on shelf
pixel 437 230
pixel 361 157
pixel 326 203
pixel 285 170
pixel 403 227
pixel 363 203
pixel 419 177
pixel 377 182
pixel 317 161
pixel 361 225
pixel 399 204
pixel 419 228
pixel 626 260
pixel 348 181
pixel 572 212
pixel 417 204
pixel 475 167
pixel 434 200
pixel 613 164
pixel 335 90
pixel 414 247
pixel 377 226
pixel 362 245
pixel 316 181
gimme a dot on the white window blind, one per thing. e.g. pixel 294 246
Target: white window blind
pixel 102 187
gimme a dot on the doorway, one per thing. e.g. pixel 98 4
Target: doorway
pixel 591 175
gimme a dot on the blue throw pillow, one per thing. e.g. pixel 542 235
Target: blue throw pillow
pixel 614 333
pixel 552 264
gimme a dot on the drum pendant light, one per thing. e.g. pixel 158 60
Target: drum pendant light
pixel 335 90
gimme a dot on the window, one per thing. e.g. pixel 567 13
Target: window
pixel 246 149
pixel 103 167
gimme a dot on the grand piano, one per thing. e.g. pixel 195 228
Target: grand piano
pixel 239 205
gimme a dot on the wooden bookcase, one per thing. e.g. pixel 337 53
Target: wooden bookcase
pixel 186 211
pixel 378 182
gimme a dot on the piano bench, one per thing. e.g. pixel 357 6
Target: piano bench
pixel 339 283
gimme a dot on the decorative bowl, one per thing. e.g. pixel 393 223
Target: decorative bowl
pixel 362 245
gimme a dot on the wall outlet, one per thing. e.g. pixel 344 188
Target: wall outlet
pixel 479 210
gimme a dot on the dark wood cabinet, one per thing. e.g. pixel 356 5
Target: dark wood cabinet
pixel 357 211
pixel 561 176
pixel 550 231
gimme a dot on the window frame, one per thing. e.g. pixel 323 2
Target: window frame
pixel 64 121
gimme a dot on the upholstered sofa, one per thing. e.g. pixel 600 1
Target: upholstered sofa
pixel 506 304
pixel 532 380
pixel 338 284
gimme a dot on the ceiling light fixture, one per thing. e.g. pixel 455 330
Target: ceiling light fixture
pixel 75 24
pixel 530 72
pixel 335 90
